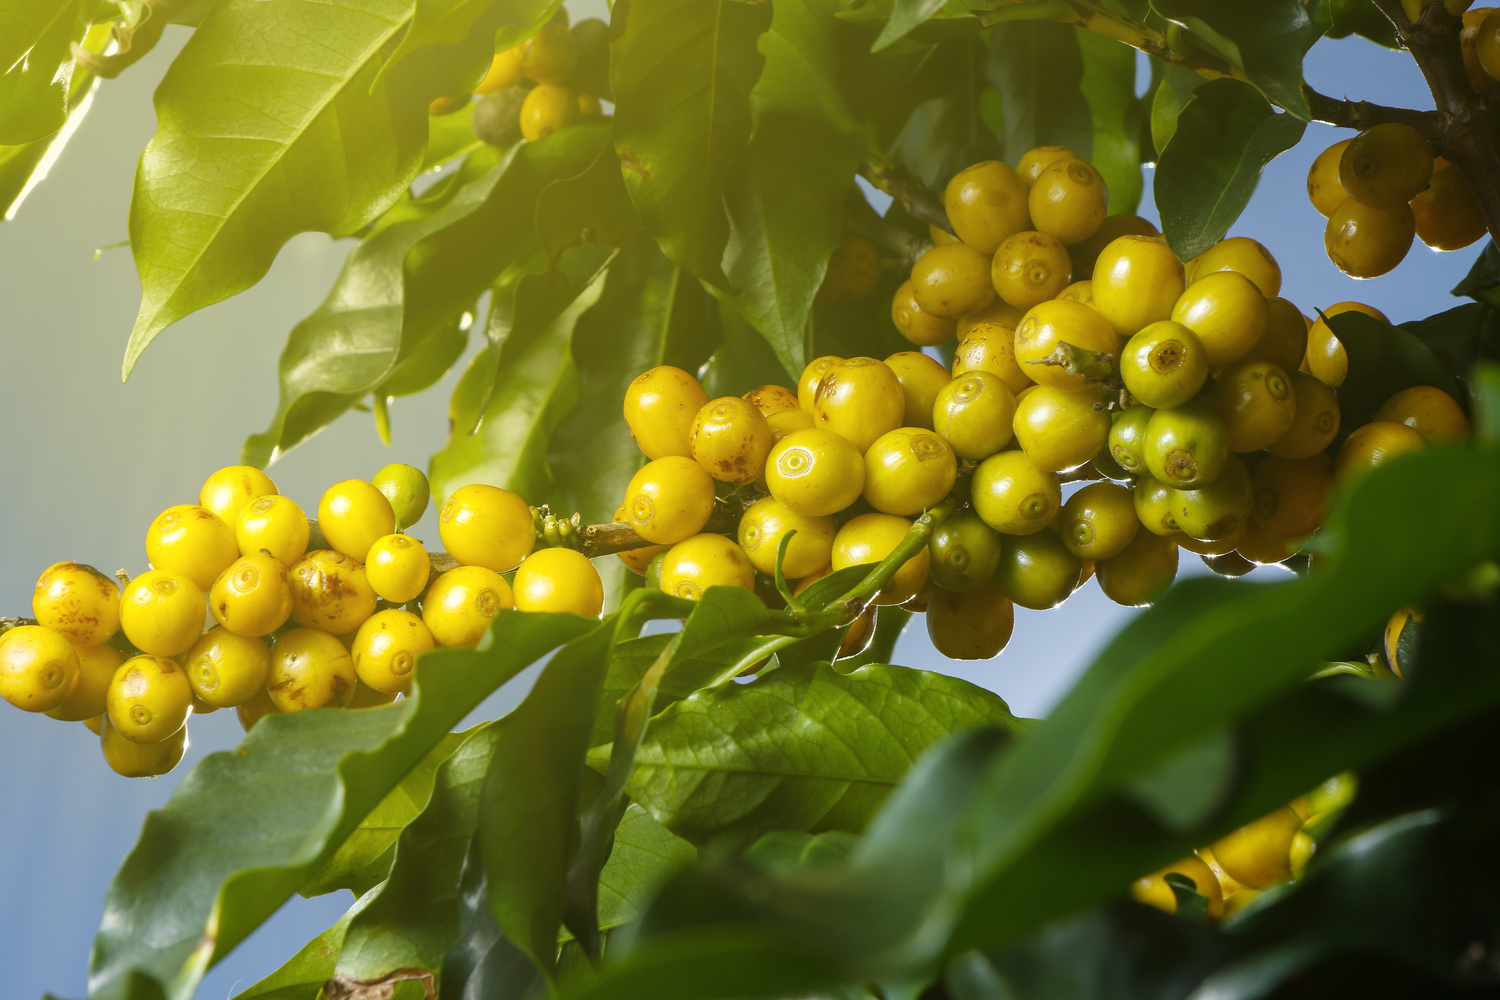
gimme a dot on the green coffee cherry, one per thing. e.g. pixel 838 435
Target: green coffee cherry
pixel 965 552
pixel 1127 439
pixel 1186 446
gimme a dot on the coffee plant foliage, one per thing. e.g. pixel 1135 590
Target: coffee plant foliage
pixel 645 825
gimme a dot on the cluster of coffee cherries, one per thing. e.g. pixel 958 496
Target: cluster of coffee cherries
pixel 1182 405
pixel 1235 869
pixel 250 605
pixel 551 81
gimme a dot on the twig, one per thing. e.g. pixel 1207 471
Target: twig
pixel 918 202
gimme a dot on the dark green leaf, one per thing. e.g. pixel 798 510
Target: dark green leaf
pixel 484 963
pixel 1272 37
pixel 860 328
pixel 217 862
pixel 592 207
pixel 328 149
pixel 1383 360
pixel 743 361
pixel 786 195
pixel 801 748
pixel 1204 178
pixel 682 71
pixel 645 854
pixel 1038 70
pixel 1460 336
pixel 305 972
pixel 36 65
pixel 1109 86
pixel 1360 17
pixel 1483 277
pixel 1175 86
pixel 364 858
pixel 904 16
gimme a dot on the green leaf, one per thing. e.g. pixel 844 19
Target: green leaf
pixel 1360 17
pixel 220 859
pixel 484 962
pixel 304 974
pixel 1038 69
pixel 743 360
pixel 645 855
pixel 36 65
pixel 902 17
pixel 1460 336
pixel 220 189
pixel 592 207
pixel 1383 360
pixel 412 921
pixel 1175 86
pixel 682 71
pixel 1272 37
pixel 801 748
pixel 1483 277
pixel 449 137
pixel 23 167
pixel 786 195
pixel 1109 86
pixel 528 812
pixel 1204 178
pixel 364 858
pixel 449 22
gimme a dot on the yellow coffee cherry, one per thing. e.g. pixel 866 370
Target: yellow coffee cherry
pixel 1079 291
pixel 1164 364
pixel 1060 429
pixel 1326 358
pixel 1051 324
pixel 192 541
pixel 669 499
pixel 1127 438
pixel 1324 189
pixel 1292 495
pixel 253 596
pixel 1263 548
pixel 695 564
pixel 784 422
pixel 149 699
pixel 1153 506
pixel 1098 521
pixel 921 380
pixel 908 470
pixel 559 580
pixel 505 71
pixel 1429 411
pixel 1315 419
pixel 398 568
pixel 815 472
pixel 1227 312
pixel 1030 267
pixel 353 514
pixel 730 440
pixel 914 324
pixel 1154 890
pixel 140 760
pixel 853 272
pixel 767 521
pixel 227 491
pixel 638 560
pixel 1374 444
pixel 226 670
pixel 461 603
pixel 986 202
pixel 1386 165
pixel 406 489
pixel 258 707
pixel 273 524
pixel 812 377
pixel 991 347
pixel 1256 402
pixel 970 624
pixel 1217 510
pixel 998 312
pixel 1136 282
pixel 1013 496
pixel 1258 853
pixel 162 613
pixel 78 601
pixel 386 649
pixel 1468 36
pixel 486 526
pixel 550 55
pixel 859 400
pixel 1032 162
pixel 1244 256
pixel 38 668
pixel 1086 254
pixel 1284 343
pixel 660 406
pixel 974 414
pixel 1447 212
pixel 1069 200
pixel 951 280
pixel 548 108
pixel 1302 850
pixel 1187 446
pixel 331 593
pixel 869 538
pixel 1141 572
pixel 310 669
pixel 1366 242
pixel 86 699
pixel 769 399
